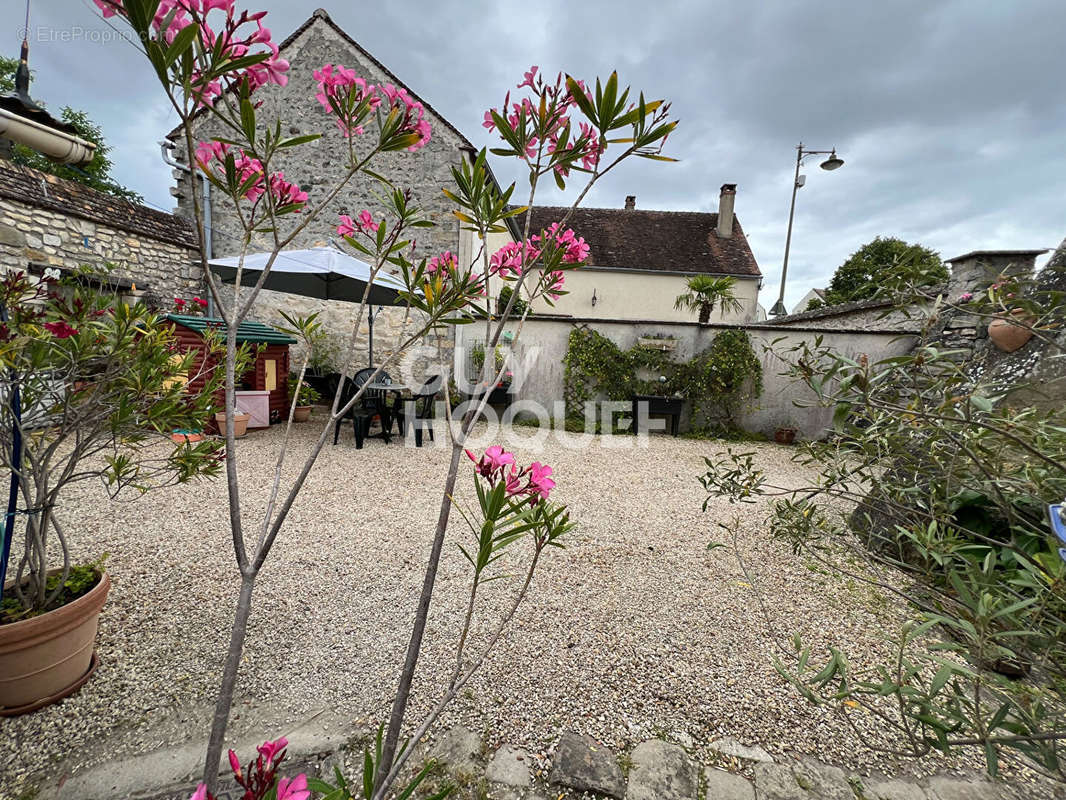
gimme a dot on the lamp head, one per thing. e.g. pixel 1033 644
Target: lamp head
pixel 833 162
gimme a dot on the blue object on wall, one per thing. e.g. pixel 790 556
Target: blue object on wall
pixel 1058 525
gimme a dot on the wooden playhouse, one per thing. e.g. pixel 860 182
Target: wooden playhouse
pixel 263 391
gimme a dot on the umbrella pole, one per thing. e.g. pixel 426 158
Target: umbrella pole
pixel 370 335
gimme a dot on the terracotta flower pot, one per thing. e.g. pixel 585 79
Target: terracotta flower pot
pixel 240 424
pixel 1008 335
pixel 301 413
pixel 45 658
pixel 785 435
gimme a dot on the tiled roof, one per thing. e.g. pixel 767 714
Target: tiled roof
pixel 247 331
pixel 833 310
pixel 39 189
pixel 667 241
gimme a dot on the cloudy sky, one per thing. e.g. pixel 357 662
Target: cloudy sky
pixel 951 116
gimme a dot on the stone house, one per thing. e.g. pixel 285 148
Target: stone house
pixel 317 166
pixel 50 223
pixel 639 261
pixel 812 294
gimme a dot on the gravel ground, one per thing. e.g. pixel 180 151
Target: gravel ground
pixel 635 630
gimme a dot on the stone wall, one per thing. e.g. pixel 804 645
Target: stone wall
pixel 317 166
pixel 861 315
pixel 45 238
pixel 543 344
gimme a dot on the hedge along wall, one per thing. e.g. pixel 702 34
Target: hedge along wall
pixel 543 345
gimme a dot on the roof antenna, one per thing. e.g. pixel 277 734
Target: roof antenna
pixel 22 75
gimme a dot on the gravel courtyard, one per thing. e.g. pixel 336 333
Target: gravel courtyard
pixel 636 630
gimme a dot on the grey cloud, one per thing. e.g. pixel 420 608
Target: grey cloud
pixel 950 115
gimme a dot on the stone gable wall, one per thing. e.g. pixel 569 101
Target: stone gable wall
pixel 318 165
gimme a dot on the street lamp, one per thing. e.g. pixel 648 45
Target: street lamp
pixel 830 164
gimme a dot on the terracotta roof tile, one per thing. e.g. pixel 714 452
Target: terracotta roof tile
pixel 39 189
pixel 667 241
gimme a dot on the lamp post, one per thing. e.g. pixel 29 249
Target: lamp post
pixel 831 163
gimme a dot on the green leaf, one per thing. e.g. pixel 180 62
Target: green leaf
pixel 182 42
pixel 941 678
pixel 298 140
pixel 248 119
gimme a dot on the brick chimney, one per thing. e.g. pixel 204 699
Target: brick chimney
pixel 631 202
pixel 725 210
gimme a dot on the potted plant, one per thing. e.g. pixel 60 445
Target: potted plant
pixel 323 374
pixel 306 397
pixel 500 390
pixel 240 422
pixel 785 434
pixel 82 374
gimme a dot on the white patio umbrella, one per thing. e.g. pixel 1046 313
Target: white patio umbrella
pixel 325 273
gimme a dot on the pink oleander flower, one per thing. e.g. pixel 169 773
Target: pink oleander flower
pixel 60 330
pixel 498 457
pixel 270 750
pixel 232 37
pixel 539 481
pixel 445 263
pixel 966 297
pixel 235 764
pixel 367 224
pixel 286 193
pixel 553 284
pixel 575 249
pixel 529 76
pixel 346 226
pixel 514 483
pixel 509 259
pixel 201 793
pixel 493 464
pixel 296 789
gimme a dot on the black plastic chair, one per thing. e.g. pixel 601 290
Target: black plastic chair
pixel 365 409
pixel 418 409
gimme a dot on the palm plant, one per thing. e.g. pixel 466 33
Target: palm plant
pixel 704 291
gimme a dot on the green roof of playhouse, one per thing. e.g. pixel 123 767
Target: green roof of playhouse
pixel 247 331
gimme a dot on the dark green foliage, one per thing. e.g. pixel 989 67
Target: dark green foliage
pixel 879 264
pixel 718 381
pixel 80 581
pixel 939 477
pixel 96 174
pixel 8 68
pixel 519 307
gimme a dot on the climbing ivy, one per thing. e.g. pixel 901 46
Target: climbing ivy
pixel 718 381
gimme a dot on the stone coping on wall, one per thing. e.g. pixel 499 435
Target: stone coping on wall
pixel 757 326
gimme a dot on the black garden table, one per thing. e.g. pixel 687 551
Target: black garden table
pixel 660 405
